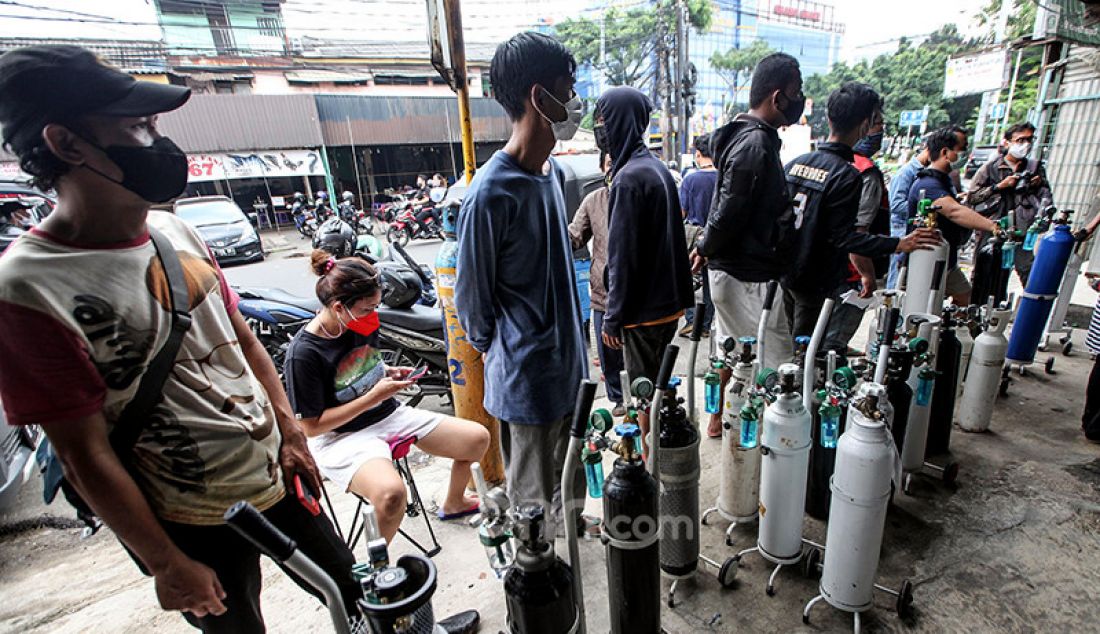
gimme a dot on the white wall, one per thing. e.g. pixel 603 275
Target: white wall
pixel 82 19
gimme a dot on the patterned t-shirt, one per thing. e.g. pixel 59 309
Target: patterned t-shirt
pixel 81 325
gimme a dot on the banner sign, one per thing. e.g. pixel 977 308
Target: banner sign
pixel 261 164
pixel 977 73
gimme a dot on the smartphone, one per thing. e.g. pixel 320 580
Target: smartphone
pixel 417 373
pixel 306 495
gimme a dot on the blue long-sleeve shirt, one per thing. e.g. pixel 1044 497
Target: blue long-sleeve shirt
pixel 899 196
pixel 515 292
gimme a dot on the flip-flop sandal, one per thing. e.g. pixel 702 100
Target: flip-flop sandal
pixel 710 435
pixel 454 516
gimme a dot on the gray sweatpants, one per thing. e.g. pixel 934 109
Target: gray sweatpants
pixel 533 459
pixel 738 307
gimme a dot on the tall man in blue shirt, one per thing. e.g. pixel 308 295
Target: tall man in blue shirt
pixel 515 293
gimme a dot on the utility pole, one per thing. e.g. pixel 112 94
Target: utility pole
pixel 664 83
pixel 682 137
pixel 464 363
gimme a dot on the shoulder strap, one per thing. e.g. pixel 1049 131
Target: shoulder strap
pixel 139 408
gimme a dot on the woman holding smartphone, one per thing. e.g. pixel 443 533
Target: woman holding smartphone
pixel 343 395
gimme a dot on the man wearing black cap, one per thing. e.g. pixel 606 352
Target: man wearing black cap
pixel 84 302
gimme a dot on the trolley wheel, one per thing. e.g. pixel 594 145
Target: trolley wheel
pixel 905 600
pixel 671 602
pixel 770 590
pixel 1048 367
pixel 950 473
pixel 703 520
pixel 1067 348
pixel 729 540
pixel 805 619
pixel 1023 370
pixel 1003 390
pixel 728 573
pixel 810 563
pixel 907 484
pixel 1064 339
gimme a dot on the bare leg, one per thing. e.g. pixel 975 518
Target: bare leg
pixel 464 442
pixel 377 481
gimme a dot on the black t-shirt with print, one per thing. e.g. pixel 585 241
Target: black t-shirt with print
pixel 324 373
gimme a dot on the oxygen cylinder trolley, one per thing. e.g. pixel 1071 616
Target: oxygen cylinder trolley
pixel 396 598
pixel 785 453
pixel 922 289
pixel 739 484
pixel 830 407
pixel 865 467
pixel 679 472
pixel 1051 258
pixel 984 375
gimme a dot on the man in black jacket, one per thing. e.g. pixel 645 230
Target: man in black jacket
pixel 649 283
pixel 740 243
pixel 826 189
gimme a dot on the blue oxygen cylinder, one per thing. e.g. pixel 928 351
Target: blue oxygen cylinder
pixel 1051 259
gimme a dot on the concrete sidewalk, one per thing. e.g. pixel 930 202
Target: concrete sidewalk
pixel 1014 548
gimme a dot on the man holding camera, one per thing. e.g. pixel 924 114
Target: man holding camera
pixel 1013 183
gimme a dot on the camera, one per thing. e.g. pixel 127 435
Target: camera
pixel 1023 181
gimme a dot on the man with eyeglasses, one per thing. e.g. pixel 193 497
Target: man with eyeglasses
pixel 1013 183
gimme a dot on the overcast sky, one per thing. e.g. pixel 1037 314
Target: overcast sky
pixel 872 23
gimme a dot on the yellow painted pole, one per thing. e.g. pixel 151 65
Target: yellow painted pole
pixel 465 365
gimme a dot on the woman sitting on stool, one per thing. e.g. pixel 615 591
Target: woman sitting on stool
pixel 343 395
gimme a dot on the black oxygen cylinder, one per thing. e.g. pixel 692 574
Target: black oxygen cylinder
pixel 822 464
pixel 942 412
pixel 538 589
pixel 988 277
pixel 898 391
pixel 633 575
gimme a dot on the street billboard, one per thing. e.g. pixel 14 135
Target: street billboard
pixel 261 164
pixel 975 73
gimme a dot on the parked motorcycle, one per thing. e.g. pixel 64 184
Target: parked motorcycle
pixel 411 326
pixel 304 219
pixel 17 447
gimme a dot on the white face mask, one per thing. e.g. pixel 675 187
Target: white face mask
pixel 574 110
pixel 1019 150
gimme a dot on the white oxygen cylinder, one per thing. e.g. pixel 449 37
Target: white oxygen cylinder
pixel 739 485
pixel 865 465
pixel 919 286
pixel 785 459
pixel 983 376
pixel 920 407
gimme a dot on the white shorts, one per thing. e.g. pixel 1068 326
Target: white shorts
pixel 339 455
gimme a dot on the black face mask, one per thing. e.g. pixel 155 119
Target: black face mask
pixel 602 142
pixel 793 112
pixel 157 173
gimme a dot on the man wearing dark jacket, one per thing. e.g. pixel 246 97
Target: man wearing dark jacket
pixel 739 243
pixel 649 282
pixel 826 191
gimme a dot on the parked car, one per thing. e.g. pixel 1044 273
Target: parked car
pixel 978 156
pixel 230 234
pixel 21 207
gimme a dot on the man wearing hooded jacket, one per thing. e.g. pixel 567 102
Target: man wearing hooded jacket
pixel 739 241
pixel 648 278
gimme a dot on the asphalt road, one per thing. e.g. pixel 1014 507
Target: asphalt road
pixel 289 270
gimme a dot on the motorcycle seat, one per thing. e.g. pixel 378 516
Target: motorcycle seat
pixel 279 295
pixel 420 318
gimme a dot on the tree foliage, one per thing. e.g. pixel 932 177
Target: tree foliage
pixel 737 64
pixel 625 50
